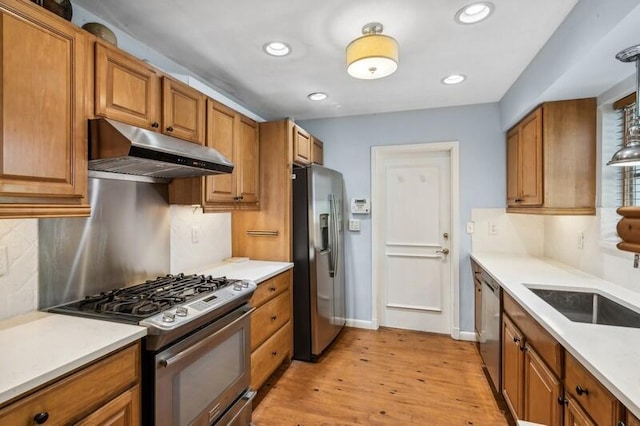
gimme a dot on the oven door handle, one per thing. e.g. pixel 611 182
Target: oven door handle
pixel 194 348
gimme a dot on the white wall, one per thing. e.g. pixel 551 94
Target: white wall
pixel 348 143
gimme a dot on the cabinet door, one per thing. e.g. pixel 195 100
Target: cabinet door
pixel 123 410
pixel 43 145
pixel 317 153
pixel 183 111
pixel 574 415
pixel 127 89
pixel 512 368
pixel 221 130
pixel 530 160
pixel 542 391
pixel 632 420
pixel 248 158
pixel 301 146
pixel 513 197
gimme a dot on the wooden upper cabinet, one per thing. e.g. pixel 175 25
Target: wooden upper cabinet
pixel 530 160
pixel 317 151
pixel 221 131
pixel 236 137
pixel 302 150
pixel 183 111
pixel 127 89
pixel 248 157
pixel 551 159
pixel 43 139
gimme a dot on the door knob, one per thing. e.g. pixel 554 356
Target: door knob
pixel 444 251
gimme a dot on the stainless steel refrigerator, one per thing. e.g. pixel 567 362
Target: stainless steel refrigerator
pixel 318 255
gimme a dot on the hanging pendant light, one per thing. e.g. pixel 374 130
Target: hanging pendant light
pixel 629 155
pixel 373 55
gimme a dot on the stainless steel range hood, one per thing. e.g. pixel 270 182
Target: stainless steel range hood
pixel 121 148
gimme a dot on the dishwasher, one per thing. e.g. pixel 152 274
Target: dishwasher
pixel 490 330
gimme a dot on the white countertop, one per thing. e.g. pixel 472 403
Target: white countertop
pixel 39 347
pixel 253 270
pixel 611 354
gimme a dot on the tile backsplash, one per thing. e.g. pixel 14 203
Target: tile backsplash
pixel 212 231
pixel 19 260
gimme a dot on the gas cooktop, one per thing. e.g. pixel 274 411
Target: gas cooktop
pixel 164 303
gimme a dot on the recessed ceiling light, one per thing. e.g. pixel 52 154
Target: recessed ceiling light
pixel 453 79
pixel 317 96
pixel 474 12
pixel 277 48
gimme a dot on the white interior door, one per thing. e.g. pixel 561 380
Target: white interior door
pixel 413 218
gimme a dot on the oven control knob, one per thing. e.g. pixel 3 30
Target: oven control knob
pixel 168 316
pixel 182 311
pixel 237 286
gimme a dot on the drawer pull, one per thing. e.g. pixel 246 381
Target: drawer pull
pixel 155 125
pixel 169 129
pixel 274 353
pixel 516 340
pixel 272 289
pixel 563 400
pixel 41 418
pixel 582 390
pixel 273 318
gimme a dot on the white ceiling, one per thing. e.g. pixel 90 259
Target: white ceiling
pixel 221 42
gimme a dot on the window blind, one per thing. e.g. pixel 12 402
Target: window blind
pixel 628 193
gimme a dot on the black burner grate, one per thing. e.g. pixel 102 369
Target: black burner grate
pixel 150 297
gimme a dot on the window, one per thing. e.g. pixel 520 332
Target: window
pixel 628 193
pixel 620 185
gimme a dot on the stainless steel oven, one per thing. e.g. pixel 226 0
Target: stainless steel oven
pixel 200 377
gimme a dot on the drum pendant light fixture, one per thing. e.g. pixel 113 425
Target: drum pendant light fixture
pixel 629 155
pixel 373 55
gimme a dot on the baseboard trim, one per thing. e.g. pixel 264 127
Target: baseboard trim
pixel 368 325
pixel 468 336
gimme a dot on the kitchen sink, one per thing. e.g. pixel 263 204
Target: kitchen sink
pixel 589 307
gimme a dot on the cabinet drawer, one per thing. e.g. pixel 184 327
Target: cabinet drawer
pixel 545 345
pixel 72 398
pixel 268 318
pixel 270 355
pixel 269 289
pixel 603 407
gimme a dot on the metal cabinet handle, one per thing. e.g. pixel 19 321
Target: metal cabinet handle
pixel 444 251
pixel 516 340
pixel 155 125
pixel 518 200
pixel 274 317
pixel 274 353
pixel 272 289
pixel 169 129
pixel 580 390
pixel 563 401
pixel 41 418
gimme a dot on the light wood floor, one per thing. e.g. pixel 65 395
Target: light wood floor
pixel 384 377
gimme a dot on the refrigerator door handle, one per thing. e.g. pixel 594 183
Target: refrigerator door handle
pixel 334 236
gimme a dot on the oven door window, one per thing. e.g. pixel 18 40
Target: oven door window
pixel 197 383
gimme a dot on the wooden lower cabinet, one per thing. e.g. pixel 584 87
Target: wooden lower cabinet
pixel 104 393
pixel 271 327
pixel 123 410
pixel 512 365
pixel 632 420
pixel 574 415
pixel 542 391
